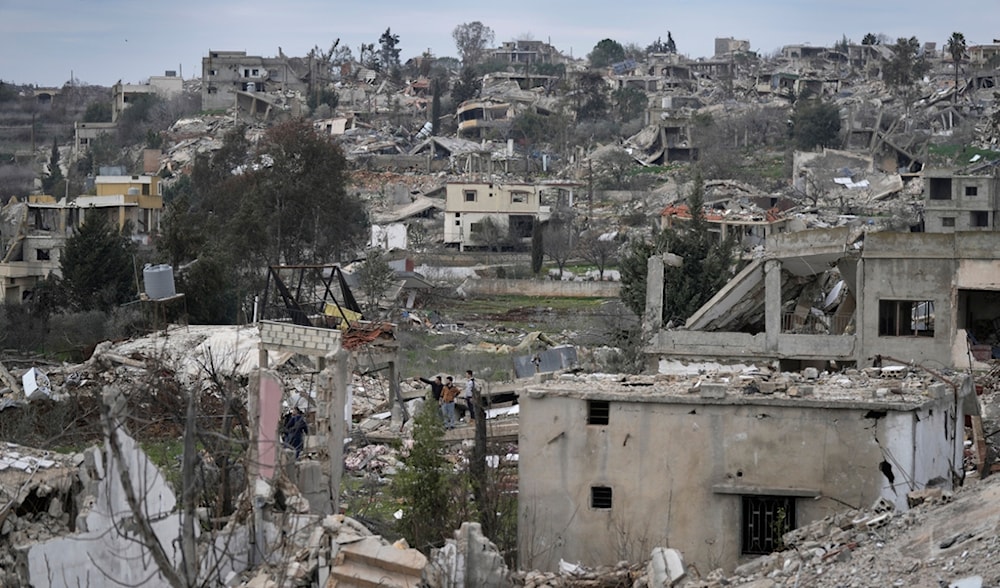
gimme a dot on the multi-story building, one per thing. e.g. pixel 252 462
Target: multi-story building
pixel 513 209
pixel 225 74
pixel 34 231
pixel 165 86
pixel 955 202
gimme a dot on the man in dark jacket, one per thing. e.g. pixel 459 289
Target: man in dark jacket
pixel 295 431
pixel 436 386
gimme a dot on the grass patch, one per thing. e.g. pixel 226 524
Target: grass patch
pixel 166 454
pixel 961 154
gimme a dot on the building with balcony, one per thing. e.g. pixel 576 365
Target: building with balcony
pixel 513 210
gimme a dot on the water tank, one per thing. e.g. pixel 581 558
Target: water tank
pixel 159 281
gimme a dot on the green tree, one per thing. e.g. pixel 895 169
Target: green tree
pixel 96 266
pixel 292 205
pixel 956 48
pixel 906 66
pixel 467 86
pixel 661 46
pixel 472 39
pixel 99 111
pixel 537 248
pixel 388 54
pixel 52 179
pixel 870 39
pixel 707 264
pixel 606 52
pixel 629 103
pixel 427 487
pixel 815 123
pixel 591 97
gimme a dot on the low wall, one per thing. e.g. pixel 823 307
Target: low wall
pixel 556 288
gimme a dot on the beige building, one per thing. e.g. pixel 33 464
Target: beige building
pixel 609 470
pixel 34 232
pixel 513 208
pixel 166 86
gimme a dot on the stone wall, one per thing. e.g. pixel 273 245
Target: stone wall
pixel 556 288
pixel 311 341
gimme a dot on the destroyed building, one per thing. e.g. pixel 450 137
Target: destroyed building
pixel 961 201
pixel 122 95
pixel 719 466
pixel 227 74
pixel 830 296
pixel 34 232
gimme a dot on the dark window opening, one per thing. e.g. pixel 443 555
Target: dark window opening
pixel 948 221
pixel 598 412
pixel 42 254
pixel 520 226
pixel 765 520
pixel 940 188
pixel 470 195
pixel 906 318
pixel 979 218
pixel 600 497
pixel 145 189
pixel 972 191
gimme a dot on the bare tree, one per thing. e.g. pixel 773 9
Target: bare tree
pixel 600 249
pixel 558 238
pixel 375 277
pixel 472 39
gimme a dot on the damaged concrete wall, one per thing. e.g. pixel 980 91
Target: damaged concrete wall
pixel 109 551
pixel 676 470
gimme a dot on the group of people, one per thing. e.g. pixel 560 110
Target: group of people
pixel 446 392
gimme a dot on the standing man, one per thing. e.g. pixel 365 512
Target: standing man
pixel 436 387
pixel 448 395
pixel 470 384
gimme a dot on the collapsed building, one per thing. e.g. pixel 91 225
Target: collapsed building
pixel 839 296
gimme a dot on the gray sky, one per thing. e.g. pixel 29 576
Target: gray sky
pixel 101 41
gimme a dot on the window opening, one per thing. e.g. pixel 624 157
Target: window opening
pixel 598 412
pixel 600 497
pixel 765 520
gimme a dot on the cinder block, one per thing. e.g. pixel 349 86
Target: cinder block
pixel 712 390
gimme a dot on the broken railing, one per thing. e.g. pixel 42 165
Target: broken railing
pixel 816 323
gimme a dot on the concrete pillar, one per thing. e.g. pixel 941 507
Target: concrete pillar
pixel 652 320
pixel 334 380
pixel 772 303
pixel 859 315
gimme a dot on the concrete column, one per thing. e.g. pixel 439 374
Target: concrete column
pixel 652 319
pixel 859 315
pixel 335 380
pixel 772 303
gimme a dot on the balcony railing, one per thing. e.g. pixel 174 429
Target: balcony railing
pixel 817 324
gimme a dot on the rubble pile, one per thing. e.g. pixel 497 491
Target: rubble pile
pixel 575 576
pixel 944 538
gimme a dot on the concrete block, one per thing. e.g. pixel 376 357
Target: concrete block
pixel 712 390
pixel 666 567
pixel 799 391
pixel 772 387
pixel 810 373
